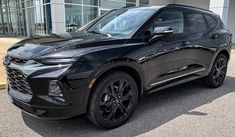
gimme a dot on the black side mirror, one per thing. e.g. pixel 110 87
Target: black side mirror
pixel 160 32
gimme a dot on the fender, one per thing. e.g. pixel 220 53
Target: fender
pixel 118 63
pixel 226 48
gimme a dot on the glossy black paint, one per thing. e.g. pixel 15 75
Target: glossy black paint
pixel 169 61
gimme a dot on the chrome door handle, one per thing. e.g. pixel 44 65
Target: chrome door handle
pixel 185 43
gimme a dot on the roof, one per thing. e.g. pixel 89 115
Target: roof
pixel 187 6
pixel 173 5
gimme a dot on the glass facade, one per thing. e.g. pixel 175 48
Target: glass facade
pixel 25 17
pixel 34 17
pixel 80 12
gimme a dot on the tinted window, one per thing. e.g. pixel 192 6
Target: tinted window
pixel 210 21
pixel 197 23
pixel 173 19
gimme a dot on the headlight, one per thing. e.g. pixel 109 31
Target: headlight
pixel 56 61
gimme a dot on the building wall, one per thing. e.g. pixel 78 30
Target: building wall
pixel 198 3
pixel 160 2
pixel 231 18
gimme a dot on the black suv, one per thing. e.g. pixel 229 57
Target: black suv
pixel 104 68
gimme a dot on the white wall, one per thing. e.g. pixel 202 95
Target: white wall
pixel 220 7
pixel 198 3
pixel 160 2
pixel 231 18
pixel 58 16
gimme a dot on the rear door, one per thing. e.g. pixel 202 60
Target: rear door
pixel 197 50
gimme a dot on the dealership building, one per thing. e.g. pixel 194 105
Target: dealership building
pixel 40 17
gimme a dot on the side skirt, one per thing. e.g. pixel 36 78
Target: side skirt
pixel 176 81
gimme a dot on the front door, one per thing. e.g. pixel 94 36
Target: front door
pixel 168 60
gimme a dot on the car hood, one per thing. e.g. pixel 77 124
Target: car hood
pixel 62 45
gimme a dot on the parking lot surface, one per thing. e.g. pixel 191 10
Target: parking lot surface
pixel 188 110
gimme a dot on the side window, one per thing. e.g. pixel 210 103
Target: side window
pixel 197 23
pixel 211 22
pixel 173 19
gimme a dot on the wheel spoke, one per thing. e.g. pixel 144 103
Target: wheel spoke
pixel 122 86
pixel 224 66
pixel 106 103
pixel 128 96
pixel 109 91
pixel 111 115
pixel 112 89
pixel 222 73
pixel 123 109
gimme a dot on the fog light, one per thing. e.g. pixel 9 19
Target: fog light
pixel 54 89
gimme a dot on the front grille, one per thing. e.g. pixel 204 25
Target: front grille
pixel 17 81
pixel 18 61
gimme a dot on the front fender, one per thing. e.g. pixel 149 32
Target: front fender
pixel 119 63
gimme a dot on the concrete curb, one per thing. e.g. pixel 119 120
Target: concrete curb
pixel 2 86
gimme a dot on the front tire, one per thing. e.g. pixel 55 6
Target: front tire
pixel 218 72
pixel 113 100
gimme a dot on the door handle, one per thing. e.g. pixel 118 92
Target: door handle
pixel 215 36
pixel 185 43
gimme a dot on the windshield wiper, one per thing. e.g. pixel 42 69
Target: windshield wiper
pixel 98 32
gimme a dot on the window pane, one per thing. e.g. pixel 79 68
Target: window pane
pixel 90 2
pixel 73 16
pixel 210 21
pixel 131 1
pixel 130 5
pixel 73 1
pixel 89 13
pixel 197 23
pixel 112 4
pixel 172 19
pixel 144 2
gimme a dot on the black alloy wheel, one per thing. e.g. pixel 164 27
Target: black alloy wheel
pixel 218 72
pixel 114 99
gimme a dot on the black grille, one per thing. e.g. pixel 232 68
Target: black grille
pixel 18 61
pixel 17 81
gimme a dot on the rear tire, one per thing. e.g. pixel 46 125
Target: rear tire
pixel 218 72
pixel 113 100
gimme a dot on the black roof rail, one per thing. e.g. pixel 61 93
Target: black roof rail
pixel 181 5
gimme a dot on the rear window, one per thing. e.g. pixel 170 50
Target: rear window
pixel 211 22
pixel 197 23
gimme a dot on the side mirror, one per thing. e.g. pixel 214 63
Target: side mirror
pixel 160 32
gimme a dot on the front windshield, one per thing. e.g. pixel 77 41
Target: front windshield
pixel 123 22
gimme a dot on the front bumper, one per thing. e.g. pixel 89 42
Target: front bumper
pixel 43 112
pixel 40 104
